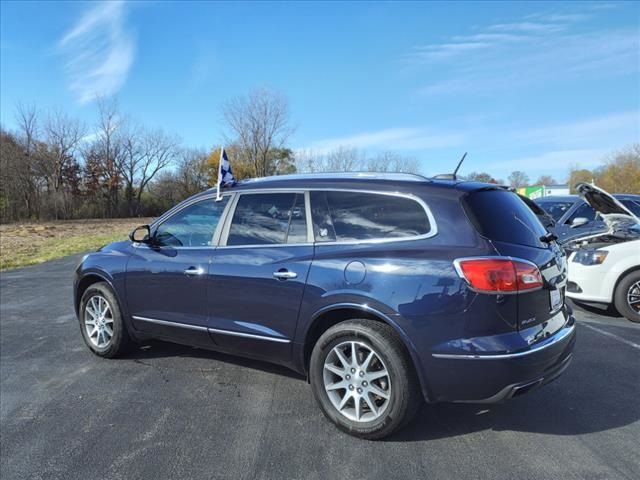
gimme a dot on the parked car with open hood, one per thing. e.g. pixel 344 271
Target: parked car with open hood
pixel 605 267
pixel 574 218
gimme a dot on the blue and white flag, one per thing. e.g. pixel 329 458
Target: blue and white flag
pixel 225 176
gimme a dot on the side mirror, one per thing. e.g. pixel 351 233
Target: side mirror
pixel 579 222
pixel 141 234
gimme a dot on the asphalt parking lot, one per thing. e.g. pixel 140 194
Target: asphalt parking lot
pixel 168 411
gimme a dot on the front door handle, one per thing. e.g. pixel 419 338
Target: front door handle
pixel 191 271
pixel 285 274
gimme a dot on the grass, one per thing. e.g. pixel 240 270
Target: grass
pixel 24 244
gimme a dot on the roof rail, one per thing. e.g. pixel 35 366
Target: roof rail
pixel 413 177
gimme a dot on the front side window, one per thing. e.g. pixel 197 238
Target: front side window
pixel 268 218
pixel 356 216
pixel 193 226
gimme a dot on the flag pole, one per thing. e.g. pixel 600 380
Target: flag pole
pixel 218 197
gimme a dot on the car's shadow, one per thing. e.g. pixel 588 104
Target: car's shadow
pixel 579 402
pixel 604 310
pixel 151 349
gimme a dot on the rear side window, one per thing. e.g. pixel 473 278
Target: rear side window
pixel 355 216
pixel 500 215
pixel 268 218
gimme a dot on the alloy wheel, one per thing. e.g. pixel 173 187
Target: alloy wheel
pixel 633 297
pixel 98 321
pixel 356 381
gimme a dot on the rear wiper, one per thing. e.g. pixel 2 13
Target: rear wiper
pixel 549 237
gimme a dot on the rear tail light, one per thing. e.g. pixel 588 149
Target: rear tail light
pixel 499 274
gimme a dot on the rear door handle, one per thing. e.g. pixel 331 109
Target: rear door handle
pixel 191 271
pixel 285 274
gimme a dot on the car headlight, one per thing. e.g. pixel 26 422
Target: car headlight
pixel 590 257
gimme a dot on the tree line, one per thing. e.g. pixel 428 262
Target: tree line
pixel 619 172
pixel 53 166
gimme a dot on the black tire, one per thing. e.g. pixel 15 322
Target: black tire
pixel 623 289
pixel 405 397
pixel 120 341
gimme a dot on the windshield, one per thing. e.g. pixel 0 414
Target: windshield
pixel 556 209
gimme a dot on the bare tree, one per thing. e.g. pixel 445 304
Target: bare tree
pixel 518 179
pixel 258 123
pixel 26 176
pixel 546 180
pixel 144 154
pixel 108 151
pixel 63 137
pixel 347 159
pixel 480 177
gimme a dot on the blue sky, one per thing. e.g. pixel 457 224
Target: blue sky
pixel 528 86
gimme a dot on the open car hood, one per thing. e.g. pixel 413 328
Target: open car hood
pixel 611 210
pixel 622 224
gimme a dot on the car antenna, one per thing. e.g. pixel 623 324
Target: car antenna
pixel 459 164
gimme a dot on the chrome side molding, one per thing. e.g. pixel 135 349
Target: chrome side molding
pixel 211 330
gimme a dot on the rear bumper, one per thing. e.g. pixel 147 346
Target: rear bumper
pixel 489 378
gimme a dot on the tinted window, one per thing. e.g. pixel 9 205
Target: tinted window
pixel 555 209
pixel 192 226
pixel 352 216
pixel 632 206
pixel 269 218
pixel 500 215
pixel 584 211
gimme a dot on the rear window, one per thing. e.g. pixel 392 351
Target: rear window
pixel 355 216
pixel 500 215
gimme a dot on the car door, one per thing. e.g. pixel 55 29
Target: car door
pixel 166 282
pixel 258 274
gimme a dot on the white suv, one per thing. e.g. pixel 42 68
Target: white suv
pixel 605 268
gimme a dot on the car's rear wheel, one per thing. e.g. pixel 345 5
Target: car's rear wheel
pixel 363 378
pixel 627 296
pixel 101 324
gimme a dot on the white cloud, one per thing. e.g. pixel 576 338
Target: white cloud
pixel 623 127
pixel 552 161
pixel 527 27
pixel 391 139
pixel 99 51
pixel 543 48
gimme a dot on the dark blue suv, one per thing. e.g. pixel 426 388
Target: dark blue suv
pixel 384 289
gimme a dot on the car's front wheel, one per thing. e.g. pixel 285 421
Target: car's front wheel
pixel 627 296
pixel 363 378
pixel 101 323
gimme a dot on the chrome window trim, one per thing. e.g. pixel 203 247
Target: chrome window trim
pixel 458 269
pixel 249 335
pixel 170 324
pixel 227 226
pixel 222 230
pixel 433 231
pixel 178 208
pixel 501 356
pixel 433 227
